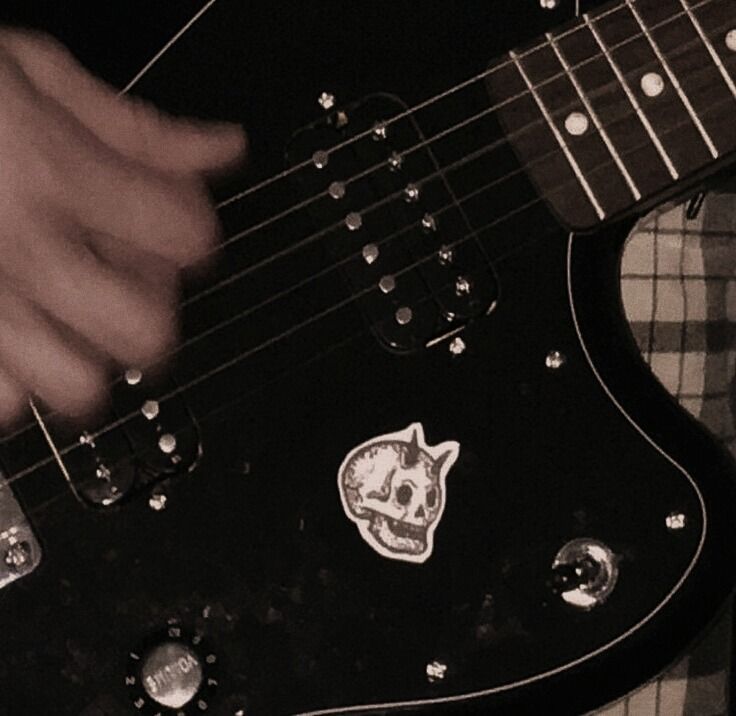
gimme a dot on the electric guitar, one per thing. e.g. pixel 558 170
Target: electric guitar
pixel 407 458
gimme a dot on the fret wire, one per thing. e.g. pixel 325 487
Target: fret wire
pixel 560 139
pixel 632 99
pixel 675 83
pixel 709 46
pixel 594 116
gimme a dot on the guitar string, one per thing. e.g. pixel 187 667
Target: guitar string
pixel 436 214
pixel 466 83
pixel 333 346
pixel 237 317
pixel 440 135
pixel 301 244
pixel 292 330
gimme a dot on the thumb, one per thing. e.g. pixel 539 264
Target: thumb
pixel 129 125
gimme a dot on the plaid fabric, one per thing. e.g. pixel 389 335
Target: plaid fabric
pixel 679 290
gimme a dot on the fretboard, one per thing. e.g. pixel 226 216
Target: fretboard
pixel 624 105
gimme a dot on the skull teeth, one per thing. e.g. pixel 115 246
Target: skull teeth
pixel 404 529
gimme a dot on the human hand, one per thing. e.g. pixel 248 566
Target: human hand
pixel 102 204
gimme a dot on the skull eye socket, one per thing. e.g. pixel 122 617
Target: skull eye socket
pixel 431 497
pixel 403 494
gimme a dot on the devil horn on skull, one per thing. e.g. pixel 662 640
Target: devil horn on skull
pixel 410 453
pixel 436 468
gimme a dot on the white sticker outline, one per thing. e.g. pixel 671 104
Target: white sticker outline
pixel 444 453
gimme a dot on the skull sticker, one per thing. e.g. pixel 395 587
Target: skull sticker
pixel 393 488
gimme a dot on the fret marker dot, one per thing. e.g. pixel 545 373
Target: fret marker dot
pixel 731 40
pixel 652 84
pixel 576 124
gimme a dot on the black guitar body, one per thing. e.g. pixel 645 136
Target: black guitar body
pixel 576 527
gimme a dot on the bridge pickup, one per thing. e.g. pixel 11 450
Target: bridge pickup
pixel 390 223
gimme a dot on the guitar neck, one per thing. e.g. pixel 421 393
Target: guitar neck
pixel 623 106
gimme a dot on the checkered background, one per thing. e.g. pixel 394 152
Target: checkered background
pixel 678 280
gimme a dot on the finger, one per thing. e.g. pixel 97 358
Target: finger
pixel 131 322
pixel 152 272
pixel 13 399
pixel 43 362
pixel 167 214
pixel 132 127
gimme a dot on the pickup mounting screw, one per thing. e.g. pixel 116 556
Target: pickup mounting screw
pixel 157 501
pixel 457 346
pixel 326 100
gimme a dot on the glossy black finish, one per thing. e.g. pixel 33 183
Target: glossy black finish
pixel 254 550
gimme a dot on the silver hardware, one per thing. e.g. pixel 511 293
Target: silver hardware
pixel 449 316
pixel 549 4
pixel 379 131
pixel 576 124
pixel 445 255
pixel 326 100
pixel 167 443
pixel 395 161
pixel 370 253
pixel 157 501
pixel 133 376
pixel 675 521
pixel 652 84
pixel 353 221
pixel 86 439
pixel 411 193
pixel 336 190
pixel 586 571
pixel 731 40
pixel 436 671
pixel 17 556
pixel 171 675
pixel 462 286
pixel 387 283
pixel 404 315
pixel 150 409
pixel 342 119
pixel 555 360
pixel 429 223
pixel 457 346
pixel 103 472
pixel 320 158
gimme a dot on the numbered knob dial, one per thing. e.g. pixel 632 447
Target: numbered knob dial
pixel 172 674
